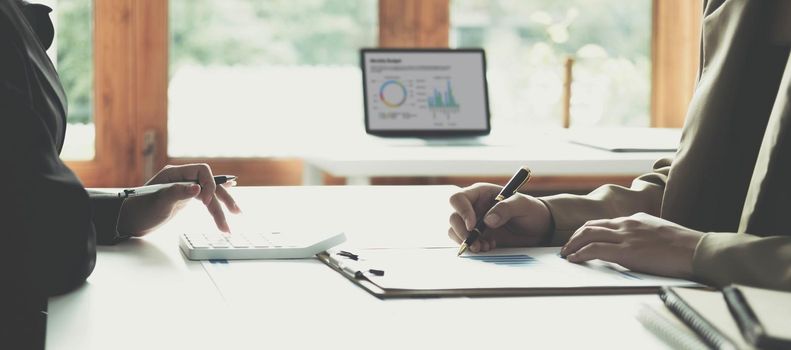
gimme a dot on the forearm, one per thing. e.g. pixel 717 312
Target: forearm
pixel 106 211
pixel 569 212
pixel 724 258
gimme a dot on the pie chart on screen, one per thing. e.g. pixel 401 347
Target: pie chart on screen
pixel 392 93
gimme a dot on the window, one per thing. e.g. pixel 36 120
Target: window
pixel 527 43
pixel 258 78
pixel 72 54
pixel 221 81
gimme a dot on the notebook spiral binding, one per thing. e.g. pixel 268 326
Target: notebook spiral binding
pixel 708 333
pixel 667 331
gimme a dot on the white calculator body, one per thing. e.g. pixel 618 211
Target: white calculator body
pixel 257 245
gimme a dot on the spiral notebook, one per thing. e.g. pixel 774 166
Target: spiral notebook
pixel 707 314
pixel 666 326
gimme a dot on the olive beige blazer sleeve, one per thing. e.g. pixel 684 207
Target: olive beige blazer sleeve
pixel 569 212
pixel 725 258
pixel 759 252
pixel 733 158
pixel 720 259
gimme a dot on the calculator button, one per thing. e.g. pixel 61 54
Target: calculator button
pixel 199 243
pixel 239 242
pixel 220 243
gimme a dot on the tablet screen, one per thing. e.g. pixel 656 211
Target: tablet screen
pixel 425 92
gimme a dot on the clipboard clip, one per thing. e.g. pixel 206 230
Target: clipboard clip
pixel 349 255
pixel 356 273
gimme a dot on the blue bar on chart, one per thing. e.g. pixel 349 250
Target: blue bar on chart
pixel 509 260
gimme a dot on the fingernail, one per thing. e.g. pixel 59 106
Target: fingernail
pixel 194 189
pixel 492 219
pixel 238 210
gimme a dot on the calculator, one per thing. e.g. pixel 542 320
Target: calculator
pixel 257 245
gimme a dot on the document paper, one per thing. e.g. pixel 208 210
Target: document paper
pixel 441 269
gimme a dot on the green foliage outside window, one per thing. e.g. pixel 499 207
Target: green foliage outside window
pixel 527 41
pixel 75 56
pixel 274 32
pixel 223 32
pixel 522 39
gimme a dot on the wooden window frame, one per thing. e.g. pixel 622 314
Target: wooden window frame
pixel 675 52
pixel 130 92
pixel 131 39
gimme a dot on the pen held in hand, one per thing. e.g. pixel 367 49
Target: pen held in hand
pixel 143 190
pixel 517 181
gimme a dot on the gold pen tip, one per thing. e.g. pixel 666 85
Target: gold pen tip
pixel 462 249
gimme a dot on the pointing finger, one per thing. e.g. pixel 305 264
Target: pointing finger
pixel 228 200
pixel 219 216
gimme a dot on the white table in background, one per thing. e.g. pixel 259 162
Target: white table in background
pixel 546 153
pixel 145 295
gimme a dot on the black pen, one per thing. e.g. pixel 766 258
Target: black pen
pixel 513 185
pixel 221 179
pixel 139 191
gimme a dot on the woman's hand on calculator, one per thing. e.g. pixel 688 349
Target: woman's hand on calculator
pixel 141 215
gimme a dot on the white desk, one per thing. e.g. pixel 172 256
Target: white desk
pixel 547 154
pixel 145 295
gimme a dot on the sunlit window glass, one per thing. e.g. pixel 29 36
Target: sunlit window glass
pixel 72 54
pixel 258 78
pixel 528 41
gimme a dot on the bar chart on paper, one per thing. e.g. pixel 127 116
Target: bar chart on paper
pixel 519 260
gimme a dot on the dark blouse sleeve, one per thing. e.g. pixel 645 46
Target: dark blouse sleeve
pixel 48 236
pixel 49 217
pixel 105 217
